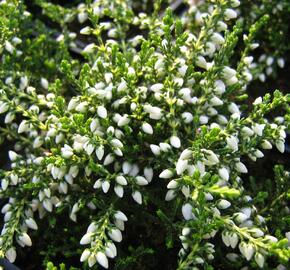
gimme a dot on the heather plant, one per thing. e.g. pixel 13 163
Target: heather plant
pixel 118 112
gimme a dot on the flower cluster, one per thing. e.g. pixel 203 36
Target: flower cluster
pixel 163 110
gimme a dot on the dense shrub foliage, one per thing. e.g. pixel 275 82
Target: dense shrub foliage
pixel 129 127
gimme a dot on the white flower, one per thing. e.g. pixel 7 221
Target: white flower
pixel 102 112
pixel 82 17
pixel 120 179
pixel 247 250
pixel 105 186
pixel 240 167
pixel 100 152
pixel 233 239
pixel 155 149
pixel 223 204
pixel 25 239
pixel 147 128
pixel 67 151
pixel 187 211
pixel 175 142
pixel 87 239
pixel 215 101
pixel 266 144
pixel 30 222
pixel 201 62
pixel 11 254
pixel 187 117
pixel 47 204
pixel 170 195
pixel 186 154
pixel 258 129
pixel 109 159
pixel 218 38
pixel 241 217
pixel 280 145
pixel 166 174
pixel 259 259
pixel 232 143
pixel 23 127
pixel 228 72
pixel 141 181
pixel 136 195
pixel 123 121
pixel 102 259
pixel 230 14
pixel 86 30
pixel 89 48
pixel 156 87
pixel 72 104
pixel 85 255
pixel 92 260
pixel 119 191
pixel 122 86
pixel 4 184
pixel 37 142
pixel 181 166
pixel 224 173
pixel 116 235
pixel 120 215
pixel 3 107
pixel 148 173
pixel 172 184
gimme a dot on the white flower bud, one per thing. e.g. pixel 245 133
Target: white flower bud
pixel 247 250
pixel 172 184
pixel 30 222
pixel 86 239
pixel 223 204
pixel 201 62
pixel 187 211
pixel 234 239
pixel 109 159
pixel 240 167
pixel 89 48
pixel 121 180
pixel 119 191
pixel 102 259
pixel 141 181
pixel 170 195
pixel 85 255
pixel 258 129
pixel 166 174
pixel 148 173
pixel 230 14
pixel 25 239
pixel 156 87
pixel 187 117
pixel 102 112
pixel 181 166
pixel 136 195
pixel 232 143
pixel 175 142
pixel 23 127
pixel 115 235
pixel 155 149
pixel 105 186
pixel 260 260
pixel 92 260
pixel 224 173
pixel 47 204
pixel 11 254
pixel 120 215
pixel 147 128
pixel 280 145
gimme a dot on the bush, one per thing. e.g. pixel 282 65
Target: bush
pixel 118 112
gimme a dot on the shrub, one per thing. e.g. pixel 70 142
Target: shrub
pixel 153 128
